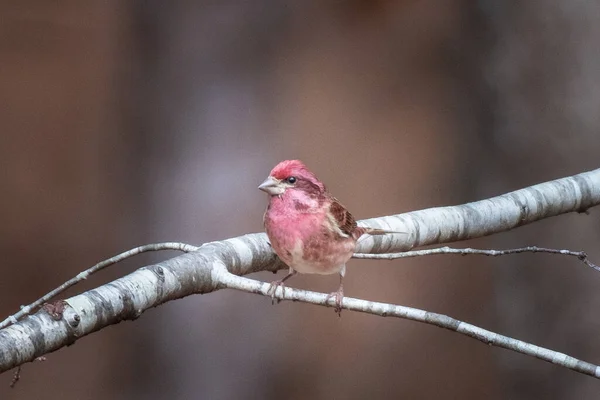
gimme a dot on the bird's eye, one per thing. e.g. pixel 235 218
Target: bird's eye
pixel 291 180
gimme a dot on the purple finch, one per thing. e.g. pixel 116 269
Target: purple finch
pixel 307 227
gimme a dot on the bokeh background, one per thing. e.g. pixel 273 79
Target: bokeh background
pixel 131 122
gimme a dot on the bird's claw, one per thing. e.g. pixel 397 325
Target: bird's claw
pixel 338 296
pixel 273 289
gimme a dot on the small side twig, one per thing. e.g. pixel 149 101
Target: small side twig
pixel 581 255
pixel 17 374
pixel 26 310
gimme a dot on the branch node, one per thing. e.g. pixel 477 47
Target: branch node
pixel 74 320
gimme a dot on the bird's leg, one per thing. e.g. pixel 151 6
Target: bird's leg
pixel 339 295
pixel 275 284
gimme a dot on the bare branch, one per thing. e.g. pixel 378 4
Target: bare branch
pixel 581 255
pixel 210 268
pixel 128 297
pixel 26 310
pixel 482 218
pixel 440 320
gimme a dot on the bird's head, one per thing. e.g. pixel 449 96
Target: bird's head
pixel 291 175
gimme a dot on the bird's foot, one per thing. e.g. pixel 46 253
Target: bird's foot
pixel 273 289
pixel 338 296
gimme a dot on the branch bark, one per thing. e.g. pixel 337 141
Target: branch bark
pixel 218 265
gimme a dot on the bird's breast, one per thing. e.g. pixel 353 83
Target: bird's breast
pixel 304 240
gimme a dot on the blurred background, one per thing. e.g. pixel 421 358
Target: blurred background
pixel 132 122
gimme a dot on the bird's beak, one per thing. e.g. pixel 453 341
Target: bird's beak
pixel 272 186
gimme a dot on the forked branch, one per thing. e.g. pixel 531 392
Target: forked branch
pixel 218 265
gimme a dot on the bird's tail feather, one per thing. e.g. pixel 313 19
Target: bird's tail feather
pixel 376 231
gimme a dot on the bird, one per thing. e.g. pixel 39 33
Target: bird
pixel 307 227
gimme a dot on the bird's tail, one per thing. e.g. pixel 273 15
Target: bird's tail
pixel 376 231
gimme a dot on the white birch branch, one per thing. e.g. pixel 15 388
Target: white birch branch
pixel 482 218
pixel 443 321
pixel 215 266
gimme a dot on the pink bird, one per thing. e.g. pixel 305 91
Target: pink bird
pixel 307 227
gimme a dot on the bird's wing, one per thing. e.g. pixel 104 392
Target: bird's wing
pixel 342 217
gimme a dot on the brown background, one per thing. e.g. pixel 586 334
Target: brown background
pixel 123 123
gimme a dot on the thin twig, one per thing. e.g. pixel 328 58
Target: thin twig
pixel 26 310
pixel 17 375
pixel 581 255
pixel 390 310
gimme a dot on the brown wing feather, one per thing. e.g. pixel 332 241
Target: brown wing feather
pixel 348 225
pixel 343 218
